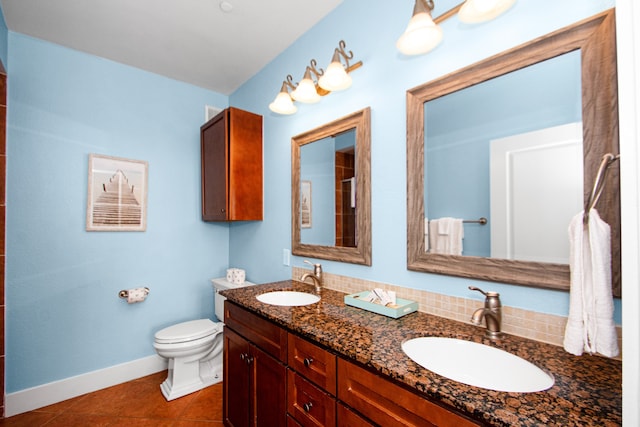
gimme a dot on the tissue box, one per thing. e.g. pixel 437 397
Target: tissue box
pixel 401 308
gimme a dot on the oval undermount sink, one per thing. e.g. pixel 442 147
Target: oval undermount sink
pixel 288 298
pixel 477 364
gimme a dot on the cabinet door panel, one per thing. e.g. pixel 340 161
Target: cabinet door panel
pixel 236 409
pixel 270 390
pixel 214 170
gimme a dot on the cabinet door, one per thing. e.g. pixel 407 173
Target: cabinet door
pixel 214 155
pixel 231 161
pixel 237 381
pixel 269 390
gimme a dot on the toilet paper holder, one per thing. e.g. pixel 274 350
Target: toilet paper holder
pixel 125 293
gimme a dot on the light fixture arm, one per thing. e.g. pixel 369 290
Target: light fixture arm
pixel 314 70
pixel 288 82
pixel 423 6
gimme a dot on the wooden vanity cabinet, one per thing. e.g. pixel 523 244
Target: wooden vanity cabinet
pixel 231 161
pixel 276 378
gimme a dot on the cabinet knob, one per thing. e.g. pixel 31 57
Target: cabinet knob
pixel 222 210
pixel 246 358
pixel 307 406
pixel 307 361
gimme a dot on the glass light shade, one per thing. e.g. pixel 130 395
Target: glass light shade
pixel 335 78
pixel 306 90
pixel 474 11
pixel 283 104
pixel 421 35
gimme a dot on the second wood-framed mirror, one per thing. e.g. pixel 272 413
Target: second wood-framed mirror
pixel 593 42
pixel 331 190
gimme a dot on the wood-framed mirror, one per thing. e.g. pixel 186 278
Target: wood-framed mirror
pixel 331 190
pixel 593 39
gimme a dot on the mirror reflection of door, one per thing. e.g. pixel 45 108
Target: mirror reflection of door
pixel 536 188
pixel 328 165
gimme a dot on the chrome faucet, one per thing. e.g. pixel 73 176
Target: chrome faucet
pixel 491 312
pixel 316 276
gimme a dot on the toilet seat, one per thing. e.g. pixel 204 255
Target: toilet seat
pixel 187 331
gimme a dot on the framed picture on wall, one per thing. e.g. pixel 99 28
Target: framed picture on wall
pixel 117 194
pixel 305 204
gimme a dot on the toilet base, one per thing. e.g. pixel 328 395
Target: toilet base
pixel 190 378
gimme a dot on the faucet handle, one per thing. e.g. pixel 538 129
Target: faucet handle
pixel 473 288
pixel 317 268
pixel 492 299
pixel 486 294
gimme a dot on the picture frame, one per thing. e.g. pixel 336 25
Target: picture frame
pixel 116 194
pixel 305 204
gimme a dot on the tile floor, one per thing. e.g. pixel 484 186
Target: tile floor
pixel 137 403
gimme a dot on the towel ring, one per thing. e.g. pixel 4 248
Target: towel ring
pixel 598 184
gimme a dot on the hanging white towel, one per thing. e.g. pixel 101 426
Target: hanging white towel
pixel 445 236
pixel 426 234
pixel 590 326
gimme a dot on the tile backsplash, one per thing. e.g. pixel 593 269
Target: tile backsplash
pixel 537 326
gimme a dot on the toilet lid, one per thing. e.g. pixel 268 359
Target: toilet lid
pixel 187 331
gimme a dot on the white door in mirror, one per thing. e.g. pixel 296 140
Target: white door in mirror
pixel 476 364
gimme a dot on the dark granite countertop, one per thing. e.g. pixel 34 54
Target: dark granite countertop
pixel 587 389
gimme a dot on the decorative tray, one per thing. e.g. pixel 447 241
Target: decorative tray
pixel 401 308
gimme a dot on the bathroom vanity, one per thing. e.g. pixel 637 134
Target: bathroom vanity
pixel 331 364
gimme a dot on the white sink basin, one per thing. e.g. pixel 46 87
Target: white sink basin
pixel 477 364
pixel 288 298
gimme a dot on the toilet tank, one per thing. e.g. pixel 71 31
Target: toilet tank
pixel 221 284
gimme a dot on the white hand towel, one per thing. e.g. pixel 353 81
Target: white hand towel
pixel 445 236
pixel 426 234
pixel 590 326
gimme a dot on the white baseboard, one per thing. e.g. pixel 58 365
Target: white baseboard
pixel 57 391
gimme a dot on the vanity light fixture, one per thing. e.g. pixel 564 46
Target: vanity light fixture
pixel 337 75
pixel 423 33
pixel 309 90
pixel 283 104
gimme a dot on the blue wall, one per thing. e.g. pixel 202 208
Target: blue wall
pixel 64 316
pixel 370 30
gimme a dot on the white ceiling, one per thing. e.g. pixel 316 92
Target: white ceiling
pixel 194 41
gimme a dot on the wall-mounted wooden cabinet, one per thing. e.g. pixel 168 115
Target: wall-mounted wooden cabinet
pixel 231 157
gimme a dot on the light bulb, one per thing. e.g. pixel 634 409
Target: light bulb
pixel 306 90
pixel 336 77
pixel 474 11
pixel 421 35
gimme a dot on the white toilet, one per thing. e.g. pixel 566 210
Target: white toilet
pixel 194 350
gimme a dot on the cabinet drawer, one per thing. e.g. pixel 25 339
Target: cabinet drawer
pixel 314 363
pixel 388 404
pixel 266 335
pixel 308 404
pixel 347 417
